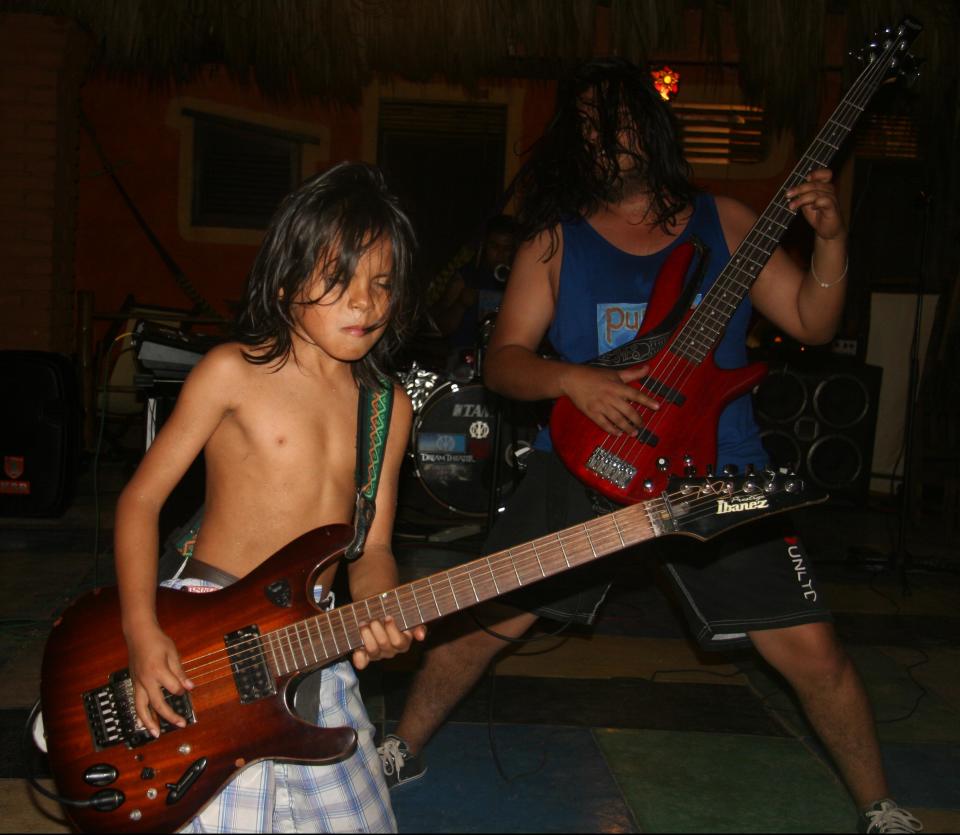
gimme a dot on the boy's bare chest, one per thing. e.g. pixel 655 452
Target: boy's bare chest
pixel 284 437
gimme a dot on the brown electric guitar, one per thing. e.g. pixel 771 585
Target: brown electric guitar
pixel 247 646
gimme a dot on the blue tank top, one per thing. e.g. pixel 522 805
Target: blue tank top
pixel 603 295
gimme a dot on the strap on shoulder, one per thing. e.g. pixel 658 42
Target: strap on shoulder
pixel 374 407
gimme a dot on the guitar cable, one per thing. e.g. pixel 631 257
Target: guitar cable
pixel 105 800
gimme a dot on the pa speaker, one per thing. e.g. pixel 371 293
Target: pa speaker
pixel 39 433
pixel 819 417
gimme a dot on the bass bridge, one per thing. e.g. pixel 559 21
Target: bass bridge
pixel 112 716
pixel 611 467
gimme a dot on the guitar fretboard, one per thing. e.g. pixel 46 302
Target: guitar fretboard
pixel 704 328
pixel 330 635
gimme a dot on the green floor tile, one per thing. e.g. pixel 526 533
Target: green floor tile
pixel 703 782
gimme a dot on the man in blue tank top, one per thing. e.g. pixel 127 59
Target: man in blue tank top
pixel 605 199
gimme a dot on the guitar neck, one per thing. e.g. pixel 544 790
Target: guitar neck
pixel 705 327
pixel 330 635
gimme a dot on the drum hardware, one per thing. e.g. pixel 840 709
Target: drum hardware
pixel 419 383
pixel 458 449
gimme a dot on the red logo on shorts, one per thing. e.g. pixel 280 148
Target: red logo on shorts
pixel 13 466
pixel 791 540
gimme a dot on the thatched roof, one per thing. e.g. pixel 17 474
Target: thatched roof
pixel 328 49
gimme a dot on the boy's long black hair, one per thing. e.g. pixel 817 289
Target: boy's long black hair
pixel 331 220
pixel 569 175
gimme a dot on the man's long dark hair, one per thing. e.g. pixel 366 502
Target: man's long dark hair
pixel 606 108
pixel 329 222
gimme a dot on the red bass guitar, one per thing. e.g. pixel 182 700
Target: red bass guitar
pixel 684 377
pixel 246 648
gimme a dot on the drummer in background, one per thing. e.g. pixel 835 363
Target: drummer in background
pixel 475 292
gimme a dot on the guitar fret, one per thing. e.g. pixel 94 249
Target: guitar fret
pixel 323 644
pixel 356 620
pixel 493 577
pixel 303 652
pixel 434 595
pixel 293 654
pixel 333 636
pixel 537 557
pixel 413 591
pixel 313 646
pixel 453 591
pixel 613 517
pixel 473 588
pixel 514 563
pixel 586 530
pixel 273 652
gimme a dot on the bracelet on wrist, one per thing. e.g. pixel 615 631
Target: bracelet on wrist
pixel 826 284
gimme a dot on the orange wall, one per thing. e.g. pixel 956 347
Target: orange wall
pixel 114 257
pixel 133 125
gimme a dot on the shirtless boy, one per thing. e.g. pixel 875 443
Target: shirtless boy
pixel 275 414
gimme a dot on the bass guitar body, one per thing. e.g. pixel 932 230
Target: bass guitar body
pixel 692 392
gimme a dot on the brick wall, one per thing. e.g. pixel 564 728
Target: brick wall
pixel 42 60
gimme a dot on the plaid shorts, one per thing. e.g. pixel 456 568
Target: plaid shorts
pixel 347 796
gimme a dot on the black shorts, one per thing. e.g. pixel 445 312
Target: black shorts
pixel 756 577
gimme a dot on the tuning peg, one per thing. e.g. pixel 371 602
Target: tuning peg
pixel 793 484
pixel 709 471
pixel 730 469
pixel 769 481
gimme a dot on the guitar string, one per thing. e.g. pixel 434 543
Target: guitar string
pixel 779 215
pixel 673 369
pixel 750 250
pixel 455 578
pixel 462 581
pixel 576 530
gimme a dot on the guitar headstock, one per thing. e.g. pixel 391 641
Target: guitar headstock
pixel 706 507
pixel 892 47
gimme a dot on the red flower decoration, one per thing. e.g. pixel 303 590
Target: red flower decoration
pixel 666 82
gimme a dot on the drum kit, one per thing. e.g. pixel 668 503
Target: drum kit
pixel 467 445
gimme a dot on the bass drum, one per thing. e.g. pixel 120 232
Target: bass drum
pixel 452 445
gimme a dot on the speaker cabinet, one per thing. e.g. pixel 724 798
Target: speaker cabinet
pixel 819 417
pixel 39 433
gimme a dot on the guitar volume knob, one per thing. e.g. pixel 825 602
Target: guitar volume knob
pixel 663 464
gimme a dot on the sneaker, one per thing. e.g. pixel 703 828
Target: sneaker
pixel 399 765
pixel 886 816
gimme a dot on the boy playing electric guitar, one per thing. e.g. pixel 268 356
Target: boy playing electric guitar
pixel 275 414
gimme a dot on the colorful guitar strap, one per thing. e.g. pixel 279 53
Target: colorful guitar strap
pixel 373 425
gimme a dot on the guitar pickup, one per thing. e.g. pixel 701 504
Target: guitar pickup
pixel 663 391
pixel 608 466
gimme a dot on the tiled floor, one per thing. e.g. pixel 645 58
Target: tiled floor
pixel 622 728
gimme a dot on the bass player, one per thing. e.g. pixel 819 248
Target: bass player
pixel 606 198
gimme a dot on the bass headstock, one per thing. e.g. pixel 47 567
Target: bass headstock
pixel 892 47
pixel 708 506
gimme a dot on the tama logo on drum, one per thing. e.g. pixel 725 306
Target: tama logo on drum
pixel 471 410
pixel 740 503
